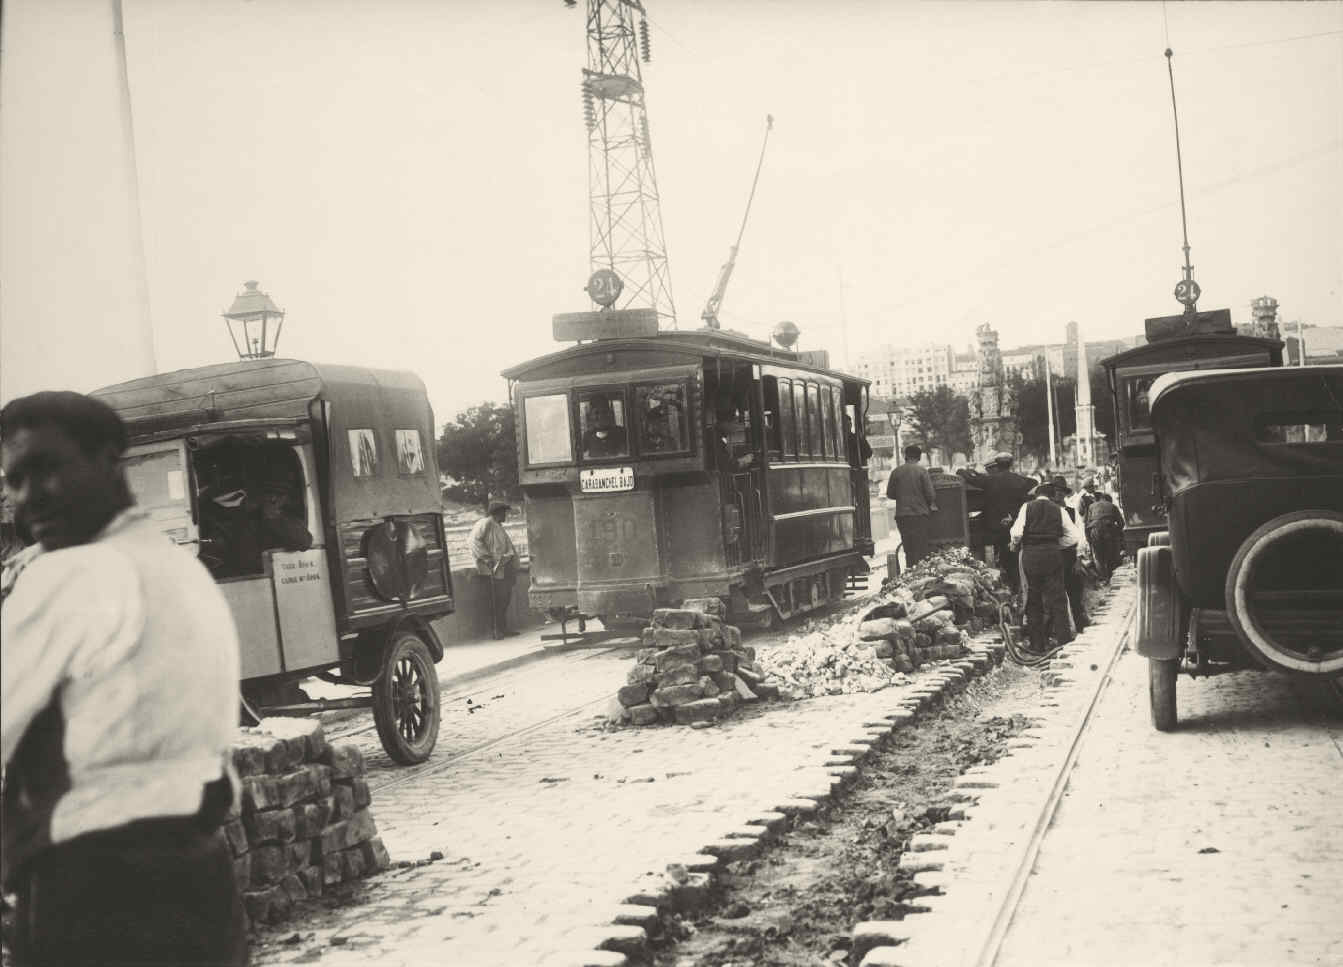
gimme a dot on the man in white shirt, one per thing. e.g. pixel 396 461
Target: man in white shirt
pixel 496 564
pixel 118 702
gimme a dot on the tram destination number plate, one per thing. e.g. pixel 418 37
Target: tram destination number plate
pixel 606 480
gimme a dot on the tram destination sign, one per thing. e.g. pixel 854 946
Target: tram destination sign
pixel 606 480
pixel 604 324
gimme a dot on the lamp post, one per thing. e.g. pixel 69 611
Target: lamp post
pixel 254 323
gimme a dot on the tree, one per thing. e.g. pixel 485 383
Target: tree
pixel 479 451
pixel 941 418
pixel 1033 415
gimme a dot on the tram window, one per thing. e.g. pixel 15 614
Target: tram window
pixel 663 427
pixel 800 413
pixel 363 453
pixel 814 421
pixel 773 437
pixel 1139 408
pixel 547 423
pixel 409 453
pixel 787 425
pixel 602 425
pixel 836 441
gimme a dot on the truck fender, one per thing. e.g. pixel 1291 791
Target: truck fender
pixel 1158 622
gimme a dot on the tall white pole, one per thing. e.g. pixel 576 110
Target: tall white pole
pixel 1049 407
pixel 1300 342
pixel 147 359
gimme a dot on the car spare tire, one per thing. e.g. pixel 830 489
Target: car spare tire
pixel 1284 592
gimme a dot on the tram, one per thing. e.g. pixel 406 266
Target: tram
pixel 1198 340
pixel 661 466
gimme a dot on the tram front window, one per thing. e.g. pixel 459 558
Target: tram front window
pixel 601 423
pixel 662 419
pixel 547 423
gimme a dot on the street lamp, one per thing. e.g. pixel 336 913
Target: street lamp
pixel 254 323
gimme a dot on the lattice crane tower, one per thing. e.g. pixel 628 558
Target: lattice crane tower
pixel 625 218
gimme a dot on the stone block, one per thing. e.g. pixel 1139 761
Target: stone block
pixel 242 870
pixel 270 826
pixel 728 659
pixel 270 865
pixel 710 606
pixel 341 801
pixel 743 691
pixel 748 673
pixel 304 785
pixel 311 818
pixel 633 695
pixel 645 656
pixel 876 629
pixel 302 854
pixel 346 761
pixel 891 609
pixel 673 695
pixel 678 654
pixel 732 637
pixel 677 619
pixel 710 638
pixel 729 700
pixel 352 863
pixel 363 796
pixel 294 888
pixel 347 833
pixel 767 690
pixel 679 675
pixel 376 858
pixel 249 760
pixel 883 649
pixel 643 714
pixel 312 880
pixel 746 652
pixel 726 682
pixel 237 836
pixel 710 688
pixel 875 933
pixel 711 663
pixel 642 674
pixel 260 792
pixel 333 869
pixel 269 905
pixel 705 709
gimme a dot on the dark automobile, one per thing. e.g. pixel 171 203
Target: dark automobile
pixel 1249 573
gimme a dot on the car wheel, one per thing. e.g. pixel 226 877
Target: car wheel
pixel 406 700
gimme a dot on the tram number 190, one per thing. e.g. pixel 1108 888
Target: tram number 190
pixel 611 530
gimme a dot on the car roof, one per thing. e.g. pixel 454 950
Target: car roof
pixel 1178 382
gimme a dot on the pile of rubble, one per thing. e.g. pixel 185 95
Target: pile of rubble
pixel 927 614
pixel 693 668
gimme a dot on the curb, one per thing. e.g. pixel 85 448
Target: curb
pixel 688 884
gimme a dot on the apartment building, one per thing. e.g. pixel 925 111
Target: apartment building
pixel 901 371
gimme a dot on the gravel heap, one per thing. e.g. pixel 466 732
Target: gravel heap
pixel 926 614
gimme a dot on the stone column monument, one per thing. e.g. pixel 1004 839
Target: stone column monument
pixel 993 406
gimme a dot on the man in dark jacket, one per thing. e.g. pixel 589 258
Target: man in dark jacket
pixel 1004 493
pixel 1038 531
pixel 1105 532
pixel 911 487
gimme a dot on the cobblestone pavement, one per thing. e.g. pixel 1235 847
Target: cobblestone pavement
pixel 1218 844
pixel 544 834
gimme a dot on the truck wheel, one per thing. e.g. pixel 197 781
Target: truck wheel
pixel 1161 692
pixel 406 699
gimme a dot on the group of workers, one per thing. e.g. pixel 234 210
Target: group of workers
pixel 1036 533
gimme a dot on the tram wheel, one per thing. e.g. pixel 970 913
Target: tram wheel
pixel 1161 674
pixel 406 699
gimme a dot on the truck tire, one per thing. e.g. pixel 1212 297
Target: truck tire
pixel 1240 584
pixel 406 699
pixel 1161 678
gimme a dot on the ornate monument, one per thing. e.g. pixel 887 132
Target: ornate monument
pixel 993 405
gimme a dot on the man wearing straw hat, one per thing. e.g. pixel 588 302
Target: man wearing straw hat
pixel 496 561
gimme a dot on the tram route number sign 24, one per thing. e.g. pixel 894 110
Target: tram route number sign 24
pixel 606 480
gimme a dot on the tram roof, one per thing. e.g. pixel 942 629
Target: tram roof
pixel 694 342
pixel 1163 349
pixel 255 389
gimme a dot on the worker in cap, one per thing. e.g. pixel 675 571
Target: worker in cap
pixel 496 563
pixel 1004 493
pixel 1037 531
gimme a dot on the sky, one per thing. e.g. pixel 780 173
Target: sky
pixel 407 179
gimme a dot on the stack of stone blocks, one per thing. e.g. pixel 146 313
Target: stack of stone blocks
pixel 304 823
pixel 693 668
pixel 931 618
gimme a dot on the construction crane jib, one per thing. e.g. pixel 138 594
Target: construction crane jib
pixel 710 313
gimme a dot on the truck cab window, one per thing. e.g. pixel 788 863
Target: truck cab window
pixel 602 425
pixel 546 420
pixel 251 499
